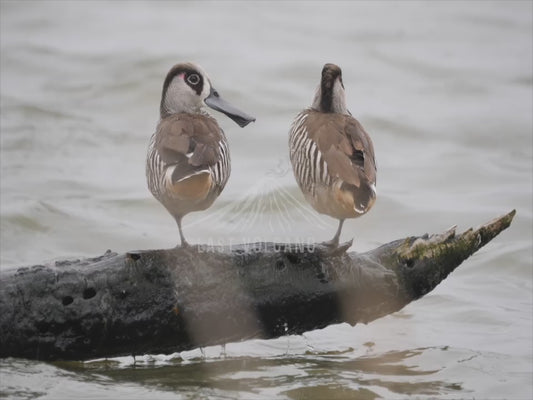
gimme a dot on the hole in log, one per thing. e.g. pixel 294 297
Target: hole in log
pixel 42 326
pixel 89 293
pixel 293 258
pixel 133 256
pixel 67 300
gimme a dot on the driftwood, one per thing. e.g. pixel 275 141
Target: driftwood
pixel 163 301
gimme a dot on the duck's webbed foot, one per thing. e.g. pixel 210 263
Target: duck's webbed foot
pixel 333 248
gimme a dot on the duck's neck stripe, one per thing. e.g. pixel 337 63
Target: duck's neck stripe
pixel 326 99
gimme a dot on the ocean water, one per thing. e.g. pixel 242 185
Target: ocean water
pixel 445 90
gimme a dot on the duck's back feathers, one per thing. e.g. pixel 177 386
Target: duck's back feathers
pixel 345 146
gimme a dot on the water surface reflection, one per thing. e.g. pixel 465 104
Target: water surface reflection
pixel 312 375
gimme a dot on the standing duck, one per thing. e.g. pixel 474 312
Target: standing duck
pixel 188 162
pixel 332 156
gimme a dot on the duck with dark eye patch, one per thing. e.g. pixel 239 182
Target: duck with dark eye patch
pixel 332 155
pixel 188 162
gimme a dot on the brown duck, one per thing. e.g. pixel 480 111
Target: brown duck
pixel 332 156
pixel 188 162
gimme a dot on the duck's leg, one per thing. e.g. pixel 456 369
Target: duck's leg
pixel 332 246
pixel 182 237
pixel 335 240
pixel 334 243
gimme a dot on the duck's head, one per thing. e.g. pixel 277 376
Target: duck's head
pixel 330 96
pixel 187 89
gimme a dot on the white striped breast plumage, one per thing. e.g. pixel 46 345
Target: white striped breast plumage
pixel 188 161
pixel 332 155
pixel 309 165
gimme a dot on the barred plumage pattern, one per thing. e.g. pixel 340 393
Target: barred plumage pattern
pixel 156 169
pixel 309 166
pixel 222 169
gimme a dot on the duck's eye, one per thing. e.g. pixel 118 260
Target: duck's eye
pixel 193 79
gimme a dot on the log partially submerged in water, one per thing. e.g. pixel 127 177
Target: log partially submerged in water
pixel 163 301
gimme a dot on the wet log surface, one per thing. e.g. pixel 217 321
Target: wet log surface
pixel 163 301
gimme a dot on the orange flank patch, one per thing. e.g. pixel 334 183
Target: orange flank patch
pixel 195 187
pixel 176 310
pixel 345 200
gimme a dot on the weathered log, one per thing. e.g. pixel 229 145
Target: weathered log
pixel 163 301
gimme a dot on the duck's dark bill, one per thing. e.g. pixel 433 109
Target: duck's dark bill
pixel 217 103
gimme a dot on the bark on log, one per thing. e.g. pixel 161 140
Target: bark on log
pixel 163 301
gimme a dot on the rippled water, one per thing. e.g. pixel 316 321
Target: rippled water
pixel 444 89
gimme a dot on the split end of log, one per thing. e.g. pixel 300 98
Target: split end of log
pixel 425 261
pixel 471 240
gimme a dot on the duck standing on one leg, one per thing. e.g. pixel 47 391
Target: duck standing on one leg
pixel 188 162
pixel 332 156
